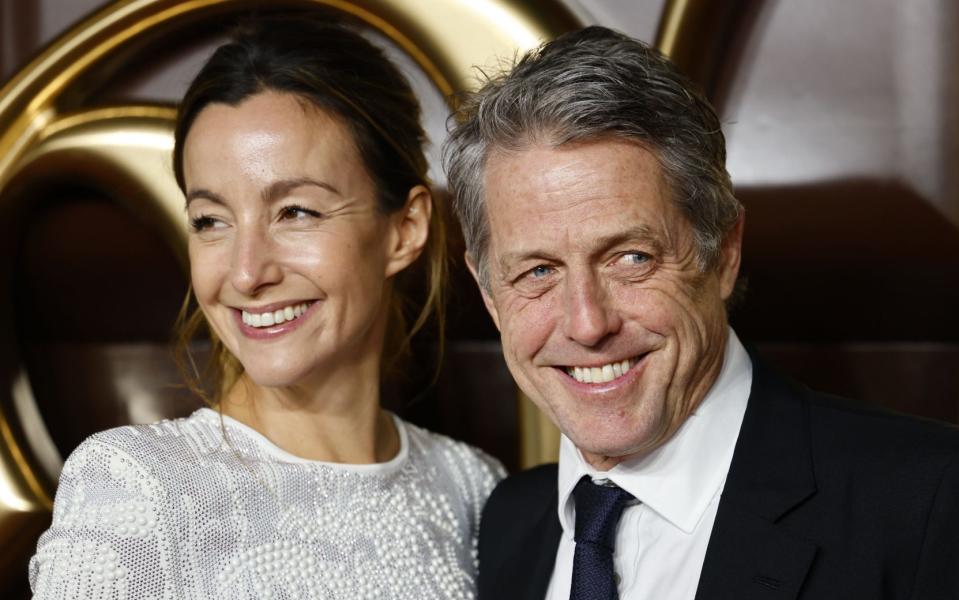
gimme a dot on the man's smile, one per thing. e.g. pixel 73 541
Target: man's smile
pixel 602 373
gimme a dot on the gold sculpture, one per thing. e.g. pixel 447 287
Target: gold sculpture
pixel 45 125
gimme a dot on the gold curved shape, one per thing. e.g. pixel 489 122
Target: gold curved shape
pixel 120 149
pixel 124 152
pixel 670 25
pixel 696 35
pixel 46 130
pixel 448 40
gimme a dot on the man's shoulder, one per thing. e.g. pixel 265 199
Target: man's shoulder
pixel 846 412
pixel 844 428
pixel 839 422
pixel 538 482
pixel 874 491
pixel 845 439
pixel 519 532
pixel 522 497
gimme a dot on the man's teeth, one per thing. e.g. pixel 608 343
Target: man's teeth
pixel 601 374
pixel 269 319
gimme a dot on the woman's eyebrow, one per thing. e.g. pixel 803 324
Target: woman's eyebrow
pixel 204 194
pixel 270 194
pixel 281 188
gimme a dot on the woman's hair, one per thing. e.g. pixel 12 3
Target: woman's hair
pixel 344 75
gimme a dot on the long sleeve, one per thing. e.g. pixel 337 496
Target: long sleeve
pixel 203 507
pixel 110 537
pixel 937 575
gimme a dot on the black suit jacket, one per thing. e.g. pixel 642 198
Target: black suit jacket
pixel 825 499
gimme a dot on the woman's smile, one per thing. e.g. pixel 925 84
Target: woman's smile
pixel 286 224
pixel 272 321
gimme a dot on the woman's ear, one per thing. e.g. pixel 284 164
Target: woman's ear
pixel 409 230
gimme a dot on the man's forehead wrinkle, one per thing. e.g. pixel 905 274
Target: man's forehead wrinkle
pixel 572 243
pixel 536 249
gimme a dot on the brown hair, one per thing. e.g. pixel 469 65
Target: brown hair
pixel 340 72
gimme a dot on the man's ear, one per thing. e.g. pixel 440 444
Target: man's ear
pixel 409 230
pixel 487 300
pixel 730 256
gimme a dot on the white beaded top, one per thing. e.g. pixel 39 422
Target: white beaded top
pixel 206 507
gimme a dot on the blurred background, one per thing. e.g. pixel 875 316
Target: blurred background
pixel 842 124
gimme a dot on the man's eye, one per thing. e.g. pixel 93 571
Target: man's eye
pixel 537 280
pixel 635 258
pixel 298 212
pixel 539 272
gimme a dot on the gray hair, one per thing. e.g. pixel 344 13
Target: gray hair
pixel 584 85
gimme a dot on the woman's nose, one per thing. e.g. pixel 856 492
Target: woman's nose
pixel 254 264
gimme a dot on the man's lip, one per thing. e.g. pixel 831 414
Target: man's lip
pixel 599 363
pixel 637 367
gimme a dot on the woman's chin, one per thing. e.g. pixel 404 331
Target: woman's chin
pixel 274 377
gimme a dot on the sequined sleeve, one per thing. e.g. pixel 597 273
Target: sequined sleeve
pixel 475 474
pixel 109 537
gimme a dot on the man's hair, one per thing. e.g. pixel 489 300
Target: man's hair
pixel 591 84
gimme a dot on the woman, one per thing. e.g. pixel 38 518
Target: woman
pixel 298 148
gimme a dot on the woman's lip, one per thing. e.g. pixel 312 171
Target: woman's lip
pixel 258 310
pixel 274 331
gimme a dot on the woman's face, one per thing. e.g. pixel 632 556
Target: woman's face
pixel 289 254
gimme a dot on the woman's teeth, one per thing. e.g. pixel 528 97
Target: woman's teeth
pixel 269 319
pixel 601 374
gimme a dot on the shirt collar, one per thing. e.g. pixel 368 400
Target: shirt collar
pixel 680 478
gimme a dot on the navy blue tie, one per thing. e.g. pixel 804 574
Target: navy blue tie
pixel 598 509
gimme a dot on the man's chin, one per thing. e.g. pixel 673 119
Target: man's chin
pixel 610 449
pixel 629 438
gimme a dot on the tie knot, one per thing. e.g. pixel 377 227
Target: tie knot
pixel 598 508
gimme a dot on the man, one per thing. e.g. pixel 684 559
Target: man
pixel 604 235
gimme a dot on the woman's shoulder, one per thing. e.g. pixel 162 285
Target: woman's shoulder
pixel 445 452
pixel 169 441
pixel 112 517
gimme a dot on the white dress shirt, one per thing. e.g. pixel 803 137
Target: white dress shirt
pixel 661 539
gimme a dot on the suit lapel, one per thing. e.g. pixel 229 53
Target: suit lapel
pixel 749 557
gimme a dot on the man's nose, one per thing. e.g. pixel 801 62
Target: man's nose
pixel 254 265
pixel 589 316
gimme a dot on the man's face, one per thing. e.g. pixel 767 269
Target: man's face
pixel 607 322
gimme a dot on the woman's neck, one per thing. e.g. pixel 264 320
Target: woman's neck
pixel 332 421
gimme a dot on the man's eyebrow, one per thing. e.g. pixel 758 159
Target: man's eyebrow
pixel 275 190
pixel 640 233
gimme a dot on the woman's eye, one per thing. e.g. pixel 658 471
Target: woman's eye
pixel 298 212
pixel 203 222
